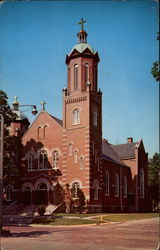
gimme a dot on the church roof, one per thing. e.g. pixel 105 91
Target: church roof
pixel 126 150
pixel 60 122
pixel 80 47
pixel 109 154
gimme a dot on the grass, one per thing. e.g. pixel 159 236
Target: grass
pixel 76 215
pixel 128 217
pixel 62 219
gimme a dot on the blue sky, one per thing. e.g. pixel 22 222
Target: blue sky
pixel 36 36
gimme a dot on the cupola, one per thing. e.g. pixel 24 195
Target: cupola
pixel 82 64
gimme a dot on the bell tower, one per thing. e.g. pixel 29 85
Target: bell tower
pixel 82 122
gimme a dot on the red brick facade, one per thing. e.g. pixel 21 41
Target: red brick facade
pixel 72 150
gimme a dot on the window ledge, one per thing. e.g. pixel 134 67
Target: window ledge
pixel 35 170
pixel 96 199
pixel 107 194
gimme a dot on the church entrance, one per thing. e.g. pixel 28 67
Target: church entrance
pixel 41 194
pixel 27 196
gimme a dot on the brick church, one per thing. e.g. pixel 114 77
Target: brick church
pixel 72 151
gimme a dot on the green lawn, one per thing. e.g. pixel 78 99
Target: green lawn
pixel 62 221
pixel 79 219
pixel 76 215
pixel 127 217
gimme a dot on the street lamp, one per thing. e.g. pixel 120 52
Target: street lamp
pixel 15 108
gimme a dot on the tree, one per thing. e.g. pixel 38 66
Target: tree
pixel 6 111
pixel 154 179
pixel 155 68
pixel 59 194
pixel 67 198
pixel 155 71
pixel 78 200
pixel 12 144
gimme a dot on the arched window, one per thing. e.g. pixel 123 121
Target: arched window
pixel 43 160
pixel 96 187
pixel 117 185
pixel 75 188
pixel 27 189
pixel 55 159
pixel 95 78
pixel 70 149
pixel 81 159
pixel 38 133
pixel 75 116
pixel 45 131
pixel 107 183
pixel 8 192
pixel 96 156
pixel 30 162
pixel 42 186
pixel 75 156
pixel 98 163
pixel 86 72
pixel 76 77
pixel 142 183
pixel 125 187
pixel 93 148
pixel 95 118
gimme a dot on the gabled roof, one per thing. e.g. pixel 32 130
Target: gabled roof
pixel 60 122
pixel 109 154
pixel 126 150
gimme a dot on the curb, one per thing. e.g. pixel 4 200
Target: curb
pixel 80 225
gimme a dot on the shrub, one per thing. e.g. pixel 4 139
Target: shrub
pixel 41 210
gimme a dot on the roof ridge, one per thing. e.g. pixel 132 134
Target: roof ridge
pixel 60 122
pixel 124 144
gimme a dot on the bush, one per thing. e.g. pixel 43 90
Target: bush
pixel 41 210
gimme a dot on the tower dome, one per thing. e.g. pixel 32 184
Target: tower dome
pixel 82 46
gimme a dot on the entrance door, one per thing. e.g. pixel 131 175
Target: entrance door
pixel 27 196
pixel 41 194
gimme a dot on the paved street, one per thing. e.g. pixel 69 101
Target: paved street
pixel 140 234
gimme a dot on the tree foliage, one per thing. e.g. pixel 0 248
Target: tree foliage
pixel 78 202
pixel 59 194
pixel 155 71
pixel 5 110
pixel 12 144
pixel 74 203
pixel 67 198
pixel 155 67
pixel 154 179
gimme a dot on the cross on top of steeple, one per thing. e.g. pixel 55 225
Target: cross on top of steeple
pixel 82 35
pixel 82 23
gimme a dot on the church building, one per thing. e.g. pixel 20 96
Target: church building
pixel 72 151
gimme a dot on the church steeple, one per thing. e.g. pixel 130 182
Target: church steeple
pixel 82 64
pixel 82 35
pixel 82 118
